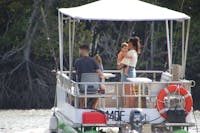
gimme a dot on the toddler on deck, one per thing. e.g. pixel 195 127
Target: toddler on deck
pixel 123 57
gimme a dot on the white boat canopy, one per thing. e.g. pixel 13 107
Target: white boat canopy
pixel 123 10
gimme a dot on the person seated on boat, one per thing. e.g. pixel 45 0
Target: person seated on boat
pixel 86 64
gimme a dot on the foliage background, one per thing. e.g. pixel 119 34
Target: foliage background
pixel 29 47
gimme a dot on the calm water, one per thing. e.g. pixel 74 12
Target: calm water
pixel 37 121
pixel 24 121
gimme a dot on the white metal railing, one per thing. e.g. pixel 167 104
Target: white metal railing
pixel 119 71
pixel 153 73
pixel 147 93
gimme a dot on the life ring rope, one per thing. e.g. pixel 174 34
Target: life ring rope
pixel 187 95
pixel 163 110
pixel 166 90
pixel 160 101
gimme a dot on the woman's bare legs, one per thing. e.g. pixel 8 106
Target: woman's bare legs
pixel 126 69
pixel 126 99
pixel 133 98
pixel 130 101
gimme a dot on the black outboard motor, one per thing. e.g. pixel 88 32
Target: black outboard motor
pixel 176 113
pixel 137 120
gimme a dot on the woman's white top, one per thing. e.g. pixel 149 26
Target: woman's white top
pixel 131 61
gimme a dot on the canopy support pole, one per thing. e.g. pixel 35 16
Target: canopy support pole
pixel 70 49
pixel 73 36
pixel 168 45
pixel 152 45
pixel 171 38
pixel 60 28
pixel 183 47
pixel 186 47
pixel 71 45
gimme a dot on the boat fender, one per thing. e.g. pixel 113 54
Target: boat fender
pixel 53 124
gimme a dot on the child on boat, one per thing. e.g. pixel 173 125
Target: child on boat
pixel 123 57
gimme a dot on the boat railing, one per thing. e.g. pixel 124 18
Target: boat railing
pixel 153 74
pixel 143 94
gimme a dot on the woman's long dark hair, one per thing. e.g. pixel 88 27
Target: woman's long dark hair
pixel 135 41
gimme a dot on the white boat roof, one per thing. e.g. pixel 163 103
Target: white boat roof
pixel 122 10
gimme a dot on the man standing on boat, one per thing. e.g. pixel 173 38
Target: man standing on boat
pixel 86 64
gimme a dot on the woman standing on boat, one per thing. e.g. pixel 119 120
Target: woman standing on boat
pixel 134 50
pixel 98 59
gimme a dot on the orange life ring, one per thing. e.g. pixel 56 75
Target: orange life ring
pixel 170 89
